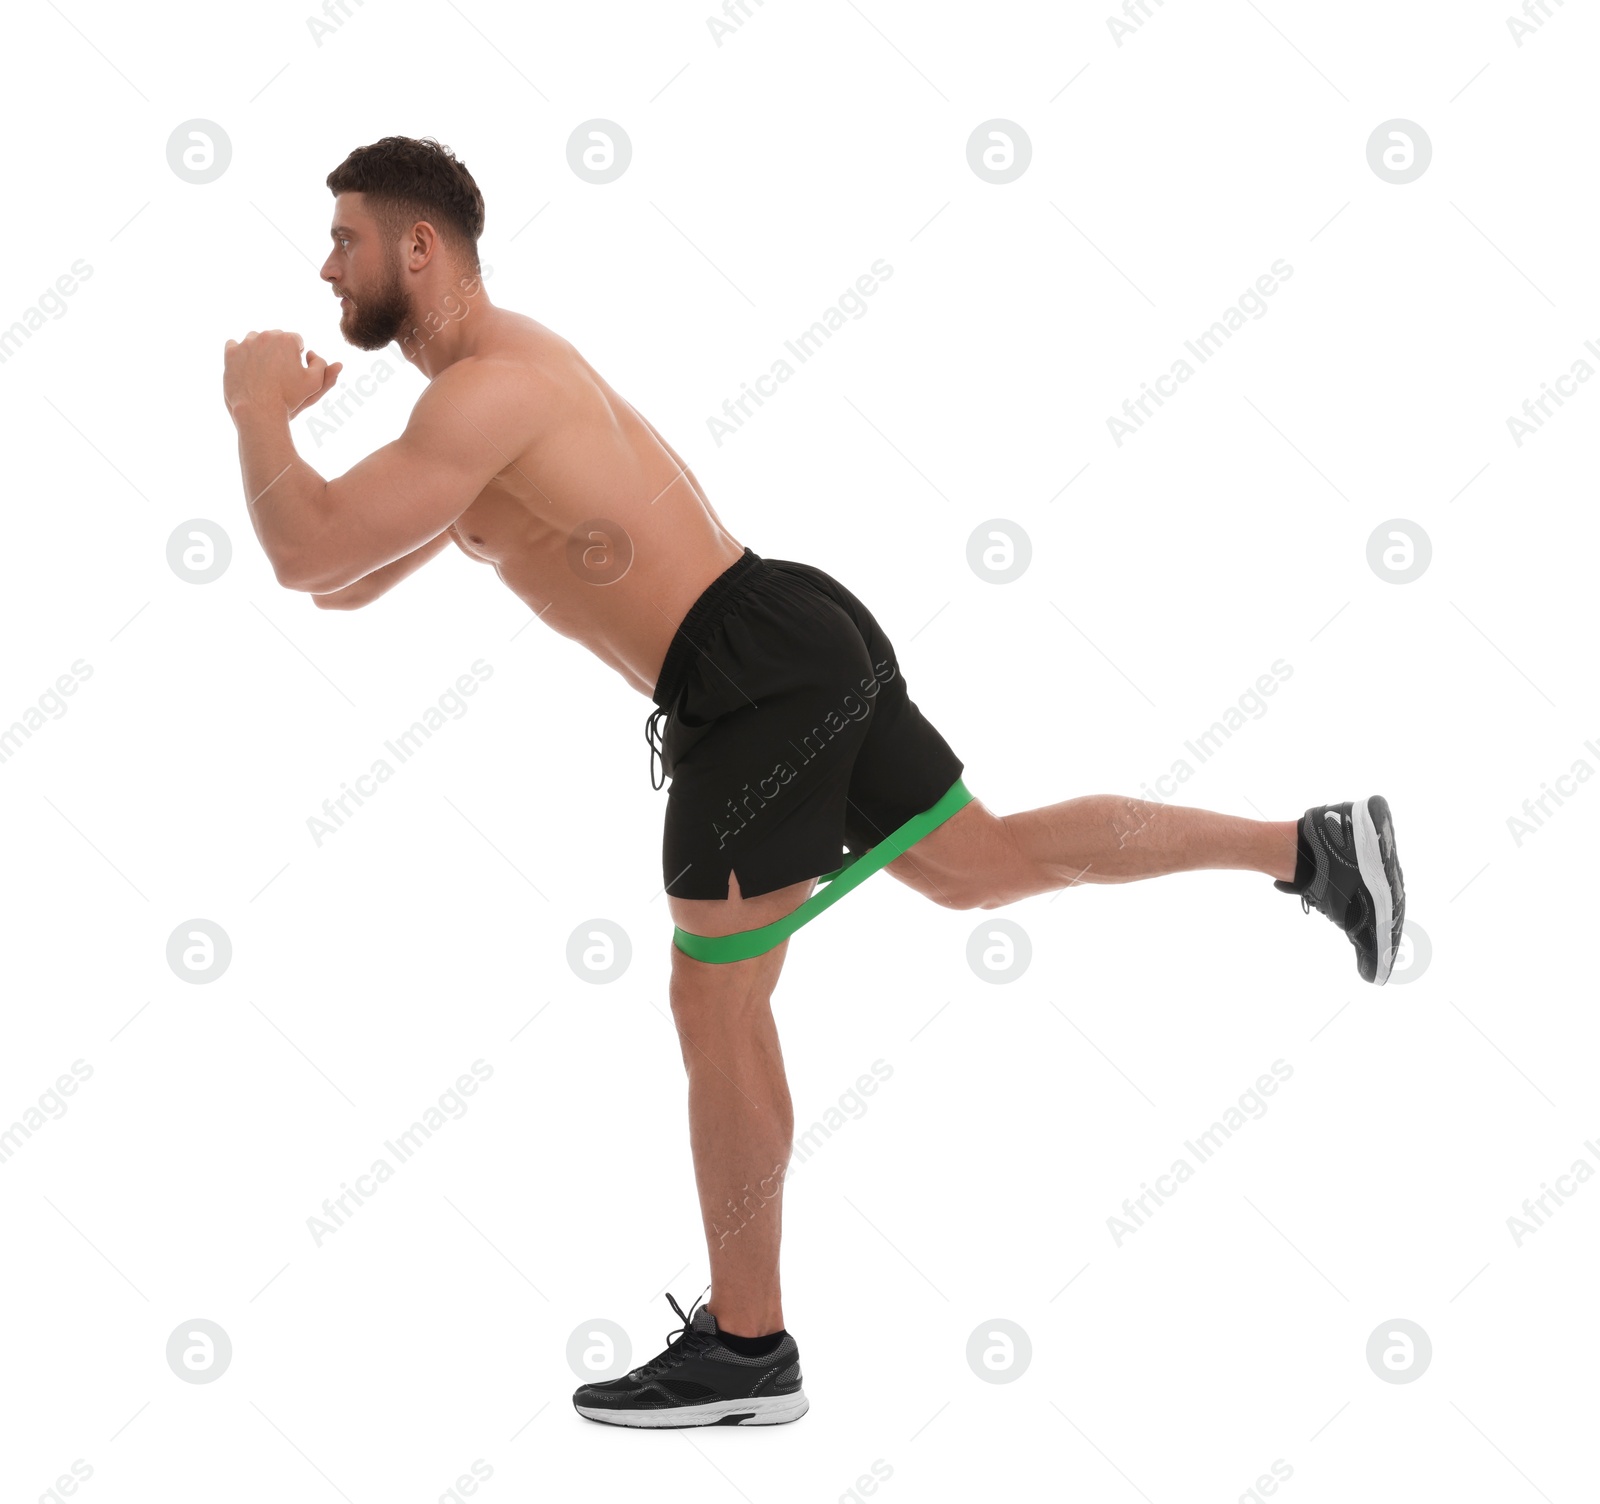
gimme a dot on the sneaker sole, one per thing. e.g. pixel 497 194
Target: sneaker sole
pixel 768 1410
pixel 1379 866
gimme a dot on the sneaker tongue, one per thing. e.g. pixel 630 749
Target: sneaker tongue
pixel 702 1321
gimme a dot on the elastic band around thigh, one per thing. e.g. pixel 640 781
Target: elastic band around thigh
pixel 742 945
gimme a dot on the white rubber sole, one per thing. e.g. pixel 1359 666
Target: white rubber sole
pixel 772 1410
pixel 1369 861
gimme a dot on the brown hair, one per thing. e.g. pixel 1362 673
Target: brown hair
pixel 406 180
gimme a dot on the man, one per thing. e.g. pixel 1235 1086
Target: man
pixel 782 713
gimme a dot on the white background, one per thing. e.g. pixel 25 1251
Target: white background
pixel 768 173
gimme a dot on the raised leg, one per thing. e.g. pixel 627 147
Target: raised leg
pixel 1107 838
pixel 978 859
pixel 741 1124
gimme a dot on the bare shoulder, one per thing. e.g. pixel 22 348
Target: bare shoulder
pixel 499 395
pixel 522 360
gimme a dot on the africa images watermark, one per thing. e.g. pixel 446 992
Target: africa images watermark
pixel 1536 410
pixel 334 411
pixel 734 14
pixel 337 810
pixel 1268 1483
pixel 1204 1146
pixel 337 12
pixel 49 1107
pixel 848 1107
pixel 1205 346
pixel 468 1483
pixel 1134 14
pixel 1537 1210
pixel 850 305
pixel 67 1484
pixel 1252 703
pixel 812 744
pixel 1534 14
pixel 402 1147
pixel 52 703
pixel 354 391
pixel 750 1203
pixel 1535 811
pixel 52 302
pixel 868 1484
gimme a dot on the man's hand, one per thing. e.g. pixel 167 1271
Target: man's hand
pixel 265 370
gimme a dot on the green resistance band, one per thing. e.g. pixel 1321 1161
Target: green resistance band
pixel 857 868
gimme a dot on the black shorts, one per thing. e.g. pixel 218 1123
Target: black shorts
pixel 789 736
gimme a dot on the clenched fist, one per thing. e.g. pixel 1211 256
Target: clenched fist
pixel 264 370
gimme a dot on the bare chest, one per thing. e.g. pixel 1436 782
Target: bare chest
pixel 500 527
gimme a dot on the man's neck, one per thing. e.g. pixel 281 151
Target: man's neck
pixel 447 325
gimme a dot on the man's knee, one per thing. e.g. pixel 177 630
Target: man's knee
pixel 949 893
pixel 719 991
pixel 968 893
pixel 722 1012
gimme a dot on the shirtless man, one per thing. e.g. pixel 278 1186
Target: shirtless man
pixel 789 737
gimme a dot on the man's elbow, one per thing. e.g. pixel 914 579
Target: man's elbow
pixel 344 595
pixel 310 576
pixel 342 600
pixel 295 574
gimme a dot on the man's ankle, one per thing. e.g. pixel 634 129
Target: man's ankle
pixel 746 1321
pixel 752 1347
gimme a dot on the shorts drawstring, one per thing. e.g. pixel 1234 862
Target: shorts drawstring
pixel 698 622
pixel 653 735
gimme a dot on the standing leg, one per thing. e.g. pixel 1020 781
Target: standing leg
pixel 741 1124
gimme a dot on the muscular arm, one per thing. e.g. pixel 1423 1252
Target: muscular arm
pixel 369 587
pixel 321 536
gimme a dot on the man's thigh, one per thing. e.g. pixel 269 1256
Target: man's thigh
pixel 727 916
pixel 964 863
pixel 711 996
pixel 763 792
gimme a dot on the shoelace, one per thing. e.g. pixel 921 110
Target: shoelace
pixel 1320 828
pixel 654 735
pixel 680 1344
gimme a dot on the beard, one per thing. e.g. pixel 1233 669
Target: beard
pixel 376 320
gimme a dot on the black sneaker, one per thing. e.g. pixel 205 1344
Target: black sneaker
pixel 698 1381
pixel 1356 879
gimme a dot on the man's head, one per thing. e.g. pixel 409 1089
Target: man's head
pixel 406 221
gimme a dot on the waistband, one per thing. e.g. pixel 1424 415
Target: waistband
pixel 699 622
